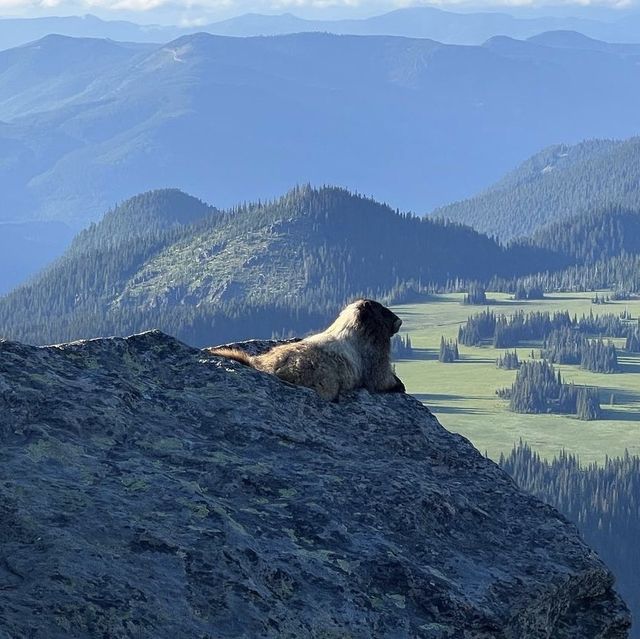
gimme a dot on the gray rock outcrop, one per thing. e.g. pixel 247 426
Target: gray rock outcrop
pixel 148 491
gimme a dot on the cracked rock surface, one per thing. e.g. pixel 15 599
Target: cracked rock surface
pixel 148 491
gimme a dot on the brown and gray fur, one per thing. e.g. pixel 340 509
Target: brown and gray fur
pixel 354 352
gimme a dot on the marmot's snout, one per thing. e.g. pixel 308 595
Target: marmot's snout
pixel 397 325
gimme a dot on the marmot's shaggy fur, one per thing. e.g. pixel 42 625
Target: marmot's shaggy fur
pixel 354 352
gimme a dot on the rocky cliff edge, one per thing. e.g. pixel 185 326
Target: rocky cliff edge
pixel 149 491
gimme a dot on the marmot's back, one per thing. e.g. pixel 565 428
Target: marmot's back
pixel 310 364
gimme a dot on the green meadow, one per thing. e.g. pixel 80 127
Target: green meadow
pixel 463 394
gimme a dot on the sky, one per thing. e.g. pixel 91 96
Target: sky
pixel 177 11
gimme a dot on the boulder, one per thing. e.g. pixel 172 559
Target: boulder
pixel 148 490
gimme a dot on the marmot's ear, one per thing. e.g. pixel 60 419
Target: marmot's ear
pixel 367 309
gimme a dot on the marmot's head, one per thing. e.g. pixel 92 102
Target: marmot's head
pixel 370 318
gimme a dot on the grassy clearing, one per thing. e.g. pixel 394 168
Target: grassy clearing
pixel 463 397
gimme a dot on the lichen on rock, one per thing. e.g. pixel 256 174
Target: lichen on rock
pixel 147 490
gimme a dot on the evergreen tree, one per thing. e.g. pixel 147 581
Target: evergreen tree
pixel 602 500
pixel 618 271
pixel 530 292
pixel 599 357
pixel 587 404
pixel 632 343
pixel 538 389
pixel 478 327
pixel 401 347
pixel 508 361
pixel 477 295
pixel 448 351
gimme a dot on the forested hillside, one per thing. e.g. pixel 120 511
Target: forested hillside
pixel 167 260
pixel 619 272
pixel 603 501
pixel 558 183
pixel 598 235
pixel 164 259
pixel 601 247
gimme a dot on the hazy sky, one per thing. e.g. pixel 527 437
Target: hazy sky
pixel 193 10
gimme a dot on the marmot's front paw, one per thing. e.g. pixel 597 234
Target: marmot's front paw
pixel 399 387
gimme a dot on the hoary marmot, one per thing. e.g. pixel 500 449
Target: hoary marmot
pixel 354 352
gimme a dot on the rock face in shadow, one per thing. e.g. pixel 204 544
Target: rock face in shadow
pixel 149 491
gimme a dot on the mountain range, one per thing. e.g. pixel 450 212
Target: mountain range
pixel 434 23
pixel 414 22
pixel 165 259
pixel 560 182
pixel 87 123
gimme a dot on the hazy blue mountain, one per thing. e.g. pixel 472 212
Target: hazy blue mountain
pixel 17 31
pixel 476 27
pixel 416 22
pixel 575 40
pixel 408 121
pixel 255 24
pixel 559 182
pixel 27 247
pixel 57 70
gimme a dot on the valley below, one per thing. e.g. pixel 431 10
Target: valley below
pixel 463 394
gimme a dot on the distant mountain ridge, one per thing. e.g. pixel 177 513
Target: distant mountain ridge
pixel 414 122
pixel 165 259
pixel 557 183
pixel 15 32
pixel 574 40
pixel 415 22
pixel 57 71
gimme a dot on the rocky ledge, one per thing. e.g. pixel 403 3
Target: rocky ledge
pixel 148 491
